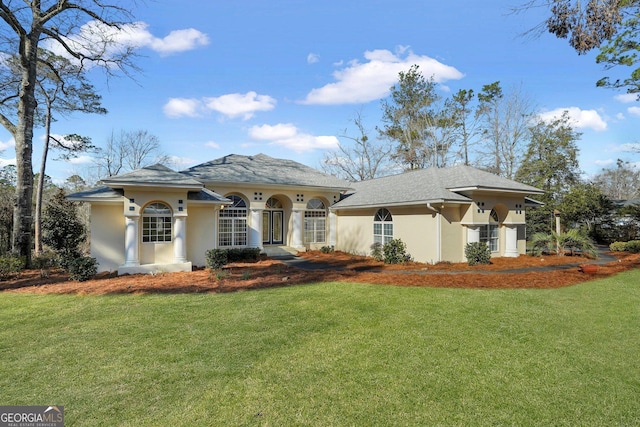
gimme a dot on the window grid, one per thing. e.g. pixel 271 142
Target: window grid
pixel 232 223
pixel 382 227
pixel 315 222
pixel 156 223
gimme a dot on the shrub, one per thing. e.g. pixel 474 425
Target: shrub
pixel 618 246
pixel 10 264
pixel 395 252
pixel 633 246
pixel 376 251
pixel 82 268
pixel 326 249
pixel 477 253
pixel 218 258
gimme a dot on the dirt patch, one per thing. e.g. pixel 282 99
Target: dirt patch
pixel 522 272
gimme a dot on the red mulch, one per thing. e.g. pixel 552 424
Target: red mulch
pixel 349 268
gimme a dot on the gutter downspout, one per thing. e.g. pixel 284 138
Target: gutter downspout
pixel 438 231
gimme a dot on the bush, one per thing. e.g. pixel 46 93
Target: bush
pixel 633 246
pixel 82 268
pixel 395 252
pixel 326 249
pixel 10 264
pixel 218 258
pixel 376 251
pixel 477 253
pixel 618 246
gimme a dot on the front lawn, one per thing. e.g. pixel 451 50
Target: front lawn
pixel 330 354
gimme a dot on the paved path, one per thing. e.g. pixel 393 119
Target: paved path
pixel 305 264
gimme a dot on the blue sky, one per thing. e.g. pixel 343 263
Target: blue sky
pixel 285 78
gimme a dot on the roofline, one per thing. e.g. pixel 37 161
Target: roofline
pixel 278 186
pixel 113 184
pixel 119 199
pixel 414 203
pixel 502 190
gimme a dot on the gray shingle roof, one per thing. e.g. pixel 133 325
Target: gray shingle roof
pixel 262 169
pixel 429 185
pixel 206 195
pixel 97 194
pixel 153 175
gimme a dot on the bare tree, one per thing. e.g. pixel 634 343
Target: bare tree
pixel 360 159
pixel 504 125
pixel 621 182
pixel 128 151
pixel 27 24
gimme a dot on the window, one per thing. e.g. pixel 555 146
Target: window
pixel 315 222
pixel 232 223
pixel 382 227
pixel 490 233
pixel 156 223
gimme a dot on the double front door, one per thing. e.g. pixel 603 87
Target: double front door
pixel 272 221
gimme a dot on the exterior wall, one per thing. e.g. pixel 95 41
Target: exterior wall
pixel 107 235
pixel 453 234
pixel 293 200
pixel 417 227
pixel 201 233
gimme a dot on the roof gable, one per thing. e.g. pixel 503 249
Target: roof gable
pixel 262 169
pixel 430 185
pixel 156 175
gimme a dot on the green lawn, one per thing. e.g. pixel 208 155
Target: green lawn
pixel 330 355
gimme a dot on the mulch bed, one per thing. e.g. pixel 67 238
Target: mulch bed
pixel 502 273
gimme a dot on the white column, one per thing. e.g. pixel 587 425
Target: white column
pixel 180 239
pixel 511 243
pixel 131 240
pixel 473 234
pixel 296 233
pixel 255 232
pixel 333 232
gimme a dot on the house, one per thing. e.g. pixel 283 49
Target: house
pixel 156 219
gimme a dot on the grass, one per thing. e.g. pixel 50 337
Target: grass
pixel 330 354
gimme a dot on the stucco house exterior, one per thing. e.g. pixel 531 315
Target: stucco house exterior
pixel 156 219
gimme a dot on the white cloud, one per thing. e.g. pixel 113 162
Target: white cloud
pixel 288 136
pixel 634 111
pixel 631 146
pixel 179 41
pixel 179 107
pixel 7 162
pixel 181 162
pixel 212 144
pixel 6 145
pixel 312 58
pixel 580 119
pixel 626 98
pixel 96 38
pixel 231 105
pixel 235 104
pixel 620 116
pixel 365 82
pixel 605 163
pixel 81 160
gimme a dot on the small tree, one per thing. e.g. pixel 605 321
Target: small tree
pixel 63 230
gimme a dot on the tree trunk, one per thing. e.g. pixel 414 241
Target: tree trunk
pixel 22 216
pixel 40 187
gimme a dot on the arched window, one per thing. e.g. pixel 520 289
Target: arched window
pixel 315 222
pixel 232 223
pixel 382 226
pixel 273 203
pixel 156 223
pixel 490 233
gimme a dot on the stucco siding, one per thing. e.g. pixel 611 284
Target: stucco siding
pixel 107 235
pixel 201 233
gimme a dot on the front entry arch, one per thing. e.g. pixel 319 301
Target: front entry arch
pixel 273 222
